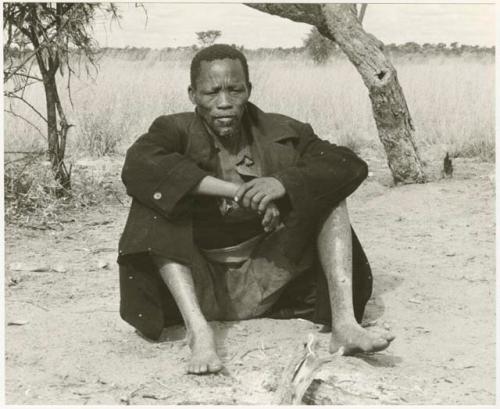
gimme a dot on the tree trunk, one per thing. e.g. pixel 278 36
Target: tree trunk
pixel 56 146
pixel 48 65
pixel 339 22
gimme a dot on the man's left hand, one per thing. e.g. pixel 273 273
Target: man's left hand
pixel 271 218
pixel 259 192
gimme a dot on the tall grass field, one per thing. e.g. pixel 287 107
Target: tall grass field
pixel 451 100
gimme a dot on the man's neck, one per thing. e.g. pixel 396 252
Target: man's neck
pixel 232 143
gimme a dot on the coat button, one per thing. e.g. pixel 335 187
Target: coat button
pixel 130 277
pixel 155 217
pixel 157 196
pixel 139 315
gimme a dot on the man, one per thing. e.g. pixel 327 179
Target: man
pixel 237 214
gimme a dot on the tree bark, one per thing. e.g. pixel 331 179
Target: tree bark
pixel 56 137
pixel 339 22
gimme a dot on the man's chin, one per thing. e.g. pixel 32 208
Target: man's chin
pixel 225 133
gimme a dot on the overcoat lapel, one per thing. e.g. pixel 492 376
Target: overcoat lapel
pixel 274 143
pixel 199 145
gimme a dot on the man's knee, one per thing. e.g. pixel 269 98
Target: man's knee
pixel 338 217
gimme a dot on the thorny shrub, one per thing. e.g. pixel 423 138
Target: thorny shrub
pixel 29 192
pixel 98 135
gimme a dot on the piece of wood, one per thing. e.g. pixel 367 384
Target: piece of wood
pixel 299 374
pixel 339 22
pixel 312 379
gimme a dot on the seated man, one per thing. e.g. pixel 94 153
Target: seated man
pixel 238 214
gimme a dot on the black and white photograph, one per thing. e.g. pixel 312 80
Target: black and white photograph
pixel 249 203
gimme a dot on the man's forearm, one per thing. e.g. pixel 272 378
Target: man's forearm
pixel 215 187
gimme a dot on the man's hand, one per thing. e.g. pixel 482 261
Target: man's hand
pixel 259 192
pixel 271 218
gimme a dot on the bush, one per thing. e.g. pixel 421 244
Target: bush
pixel 29 191
pixel 97 134
pixel 318 47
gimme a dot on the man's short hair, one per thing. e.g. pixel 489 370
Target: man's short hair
pixel 217 52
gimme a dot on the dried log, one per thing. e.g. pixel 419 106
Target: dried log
pixel 298 375
pixel 340 23
pixel 334 380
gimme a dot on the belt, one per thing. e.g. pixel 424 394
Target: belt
pixel 234 254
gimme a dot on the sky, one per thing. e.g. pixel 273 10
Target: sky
pixel 175 24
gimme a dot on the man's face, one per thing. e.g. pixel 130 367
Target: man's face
pixel 220 95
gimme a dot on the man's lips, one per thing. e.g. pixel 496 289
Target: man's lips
pixel 225 120
pixel 224 116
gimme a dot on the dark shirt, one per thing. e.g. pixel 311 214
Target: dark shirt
pixel 220 222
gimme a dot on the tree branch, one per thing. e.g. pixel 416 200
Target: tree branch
pixel 27 103
pixel 22 87
pixel 38 47
pixel 26 120
pixel 31 77
pixel 301 13
pixel 9 75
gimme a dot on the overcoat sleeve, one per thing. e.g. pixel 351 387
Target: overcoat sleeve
pixel 158 174
pixel 324 175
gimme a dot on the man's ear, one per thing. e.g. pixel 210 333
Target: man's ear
pixel 191 94
pixel 249 89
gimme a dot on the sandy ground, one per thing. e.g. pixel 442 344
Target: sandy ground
pixel 432 249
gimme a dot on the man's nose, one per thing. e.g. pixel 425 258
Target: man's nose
pixel 224 101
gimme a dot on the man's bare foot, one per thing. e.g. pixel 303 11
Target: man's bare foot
pixel 352 338
pixel 204 358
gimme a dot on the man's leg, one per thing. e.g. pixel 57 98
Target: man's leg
pixel 335 254
pixel 179 281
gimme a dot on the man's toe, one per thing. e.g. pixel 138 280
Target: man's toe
pixel 215 367
pixel 195 368
pixel 380 344
pixel 382 333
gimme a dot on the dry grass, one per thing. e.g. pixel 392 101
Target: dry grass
pixel 29 190
pixel 451 100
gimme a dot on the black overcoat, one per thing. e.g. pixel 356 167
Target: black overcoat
pixel 164 164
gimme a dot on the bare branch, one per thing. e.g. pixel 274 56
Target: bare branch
pixel 27 103
pixel 26 120
pixel 30 156
pixel 68 87
pixel 22 87
pixel 26 82
pixel 9 75
pixel 140 5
